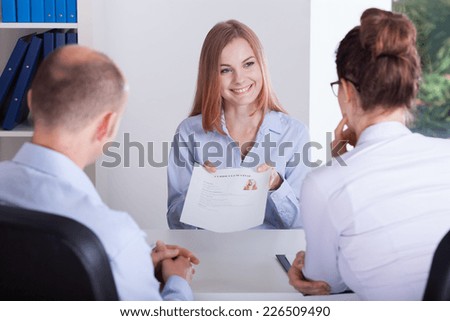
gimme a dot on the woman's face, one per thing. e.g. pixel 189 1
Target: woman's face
pixel 240 74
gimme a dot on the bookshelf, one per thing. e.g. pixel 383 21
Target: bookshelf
pixel 25 25
pixel 12 140
pixel 22 130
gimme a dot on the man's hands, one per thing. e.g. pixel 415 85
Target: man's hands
pixel 164 251
pixel 171 260
pixel 180 266
pixel 298 281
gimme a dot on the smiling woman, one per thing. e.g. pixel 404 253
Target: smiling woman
pixel 234 103
pixel 240 75
pixel 157 43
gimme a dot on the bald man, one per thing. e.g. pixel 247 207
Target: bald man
pixel 77 99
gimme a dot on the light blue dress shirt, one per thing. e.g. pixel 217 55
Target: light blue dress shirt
pixel 281 142
pixel 42 179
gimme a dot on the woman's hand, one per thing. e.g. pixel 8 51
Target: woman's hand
pixel 298 281
pixel 342 137
pixel 210 168
pixel 275 178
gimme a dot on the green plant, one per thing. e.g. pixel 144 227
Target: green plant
pixel 432 21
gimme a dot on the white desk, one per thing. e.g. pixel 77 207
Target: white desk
pixel 242 265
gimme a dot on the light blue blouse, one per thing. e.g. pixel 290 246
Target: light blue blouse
pixel 281 142
pixel 42 179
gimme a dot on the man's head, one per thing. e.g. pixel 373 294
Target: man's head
pixel 76 98
pixel 73 86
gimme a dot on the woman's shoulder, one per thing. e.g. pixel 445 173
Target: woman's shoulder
pixel 191 124
pixel 288 122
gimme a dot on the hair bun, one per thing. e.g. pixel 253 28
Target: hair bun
pixel 387 34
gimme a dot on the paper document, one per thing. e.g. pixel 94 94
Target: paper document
pixel 228 200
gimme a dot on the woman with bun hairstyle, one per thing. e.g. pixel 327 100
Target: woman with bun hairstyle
pixel 373 225
pixel 236 121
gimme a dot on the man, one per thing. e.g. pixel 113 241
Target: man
pixel 77 99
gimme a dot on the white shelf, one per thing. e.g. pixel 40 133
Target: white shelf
pixel 35 25
pixel 22 130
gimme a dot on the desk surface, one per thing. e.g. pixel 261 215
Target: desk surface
pixel 241 265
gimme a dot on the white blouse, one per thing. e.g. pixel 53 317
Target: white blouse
pixel 374 224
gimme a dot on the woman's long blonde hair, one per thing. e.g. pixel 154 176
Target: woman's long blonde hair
pixel 208 100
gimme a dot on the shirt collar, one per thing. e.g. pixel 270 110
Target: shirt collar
pixel 271 122
pixel 382 131
pixel 55 164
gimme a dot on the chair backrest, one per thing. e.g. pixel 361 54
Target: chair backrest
pixel 49 257
pixel 438 284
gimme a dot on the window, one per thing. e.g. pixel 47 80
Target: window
pixel 432 20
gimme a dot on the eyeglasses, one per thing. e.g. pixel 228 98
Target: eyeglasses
pixel 335 86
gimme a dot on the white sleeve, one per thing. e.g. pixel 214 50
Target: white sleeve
pixel 322 238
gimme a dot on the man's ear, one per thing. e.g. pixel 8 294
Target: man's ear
pixel 106 125
pixel 29 95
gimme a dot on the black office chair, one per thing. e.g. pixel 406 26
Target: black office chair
pixel 50 257
pixel 438 284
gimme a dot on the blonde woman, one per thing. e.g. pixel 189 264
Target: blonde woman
pixel 236 121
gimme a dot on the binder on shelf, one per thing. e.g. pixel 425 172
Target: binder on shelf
pixel 10 72
pixel 37 11
pixel 60 10
pixel 71 7
pixel 48 43
pixel 56 38
pixel 60 38
pixel 9 11
pixel 71 37
pixel 18 110
pixel 23 11
pixel 49 11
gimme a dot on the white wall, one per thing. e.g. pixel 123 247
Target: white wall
pixel 330 22
pixel 157 43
